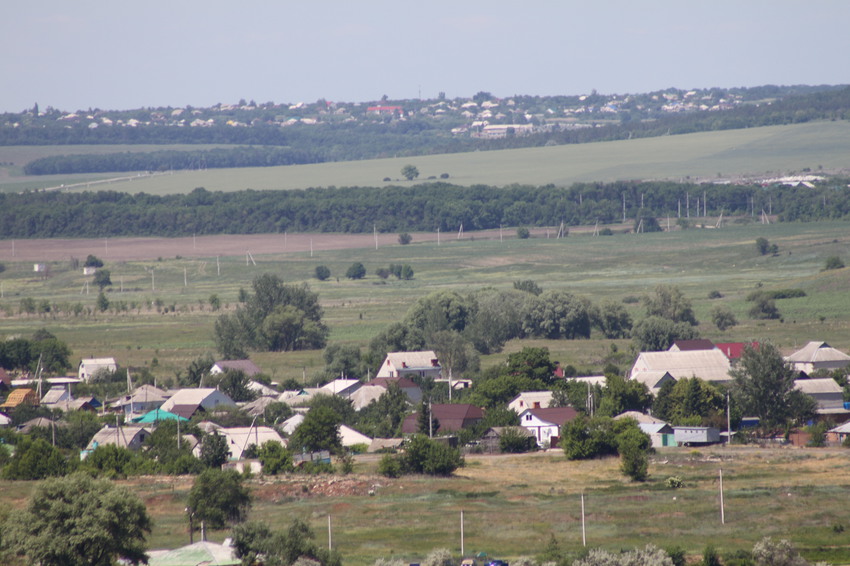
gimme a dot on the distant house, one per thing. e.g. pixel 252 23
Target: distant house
pixel 530 400
pixel 239 438
pixel 815 356
pixel 289 425
pixel 408 387
pixel 22 396
pixel 90 366
pixel 447 417
pixel 654 379
pixel 828 394
pixel 660 433
pixel 143 399
pixel 696 435
pixel 401 364
pixel 545 423
pixel 300 397
pixel 342 387
pixel 709 365
pixel 839 434
pixel 734 350
pixel 132 437
pixel 247 366
pixel 187 402
pixel 5 420
pixel 691 345
pixel 56 394
pixel 200 553
pixel 492 437
pixel 351 437
pixel 257 407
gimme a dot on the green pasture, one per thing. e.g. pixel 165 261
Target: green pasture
pixel 172 323
pixel 513 504
pixel 772 150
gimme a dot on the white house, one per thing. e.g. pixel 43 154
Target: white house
pixel 828 394
pixel 545 423
pixel 401 364
pixel 187 402
pixel 144 399
pixel 530 400
pixel 239 438
pixel 817 355
pixel 132 437
pixel 350 437
pixel 708 365
pixel 247 366
pixel 90 366
pixel 342 387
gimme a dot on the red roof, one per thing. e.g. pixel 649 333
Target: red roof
pixel 734 350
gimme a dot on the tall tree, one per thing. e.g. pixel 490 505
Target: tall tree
pixel 77 521
pixel 669 302
pixel 764 386
pixel 218 498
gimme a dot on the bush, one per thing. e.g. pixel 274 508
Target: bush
pixel 833 262
pixel 356 271
pixel 404 238
pixel 715 295
pixel 322 272
pixel 674 482
pixel 522 233
pixel 389 466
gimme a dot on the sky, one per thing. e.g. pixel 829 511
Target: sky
pixel 124 55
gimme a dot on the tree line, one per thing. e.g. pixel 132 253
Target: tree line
pixel 171 160
pixel 425 207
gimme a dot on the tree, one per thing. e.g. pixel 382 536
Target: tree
pixel 409 172
pixel 557 314
pixel 318 431
pixel 35 459
pixel 102 302
pixel 763 384
pixel 93 261
pixel 764 307
pixel 442 310
pixel 655 334
pixel 404 238
pixel 356 271
pixel 529 286
pixel 214 450
pixel 620 395
pixel 295 545
pixel 275 458
pixel 723 318
pixel 632 444
pixel 532 363
pixel 522 233
pixel 423 455
pixel 383 417
pixel 669 302
pixel 218 498
pixel 514 440
pixel 613 320
pixel 768 552
pixel 235 384
pixel 406 272
pixel 77 521
pixel 455 353
pixel 343 360
pixel 322 272
pixel 102 278
pixel 215 302
pixel 764 247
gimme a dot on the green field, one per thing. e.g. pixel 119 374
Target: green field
pixel 613 267
pixel 755 151
pixel 514 504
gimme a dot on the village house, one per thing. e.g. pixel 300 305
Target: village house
pixel 90 366
pixel 708 365
pixel 187 402
pixel 530 400
pixel 22 396
pixel 131 437
pixel 545 423
pixel 402 364
pixel 816 356
pixel 446 418
pixel 248 367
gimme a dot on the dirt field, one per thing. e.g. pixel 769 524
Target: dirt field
pixel 135 249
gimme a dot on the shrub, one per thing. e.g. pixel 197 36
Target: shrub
pixel 833 262
pixel 715 295
pixel 674 482
pixel 322 272
pixel 522 233
pixel 404 238
pixel 356 271
pixel 389 466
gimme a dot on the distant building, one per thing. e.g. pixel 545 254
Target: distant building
pixel 406 364
pixel 815 356
pixel 90 366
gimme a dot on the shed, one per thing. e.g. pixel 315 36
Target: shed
pixel 696 435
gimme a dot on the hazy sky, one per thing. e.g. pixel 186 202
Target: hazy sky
pixel 120 55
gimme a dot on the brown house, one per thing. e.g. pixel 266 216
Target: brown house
pixel 22 396
pixel 448 417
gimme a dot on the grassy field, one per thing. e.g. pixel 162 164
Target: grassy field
pixel 514 504
pixel 616 267
pixel 756 151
